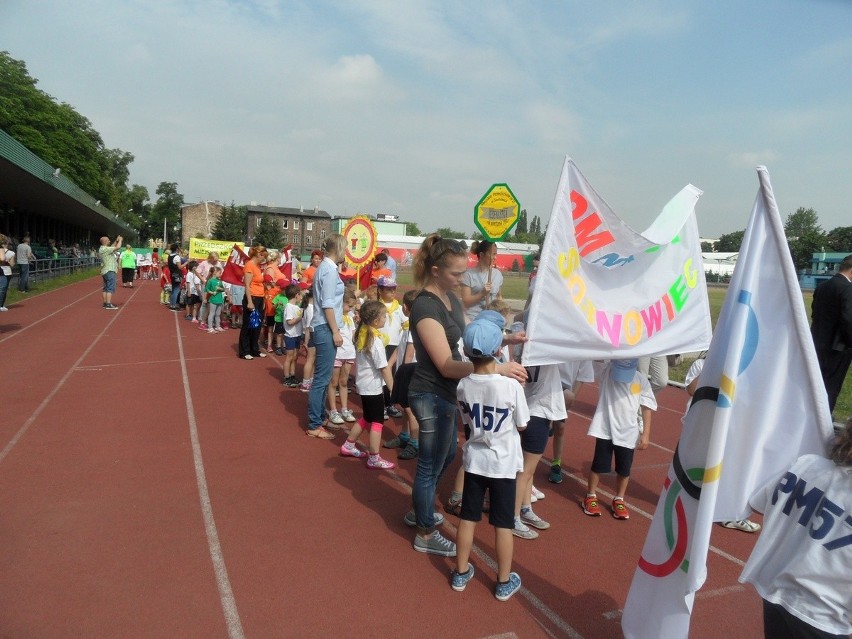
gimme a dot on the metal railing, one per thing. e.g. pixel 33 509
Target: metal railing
pixel 47 269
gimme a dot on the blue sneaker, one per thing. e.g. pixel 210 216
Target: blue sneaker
pixel 504 591
pixel 459 579
pixel 555 474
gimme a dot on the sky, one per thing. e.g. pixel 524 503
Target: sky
pixel 416 108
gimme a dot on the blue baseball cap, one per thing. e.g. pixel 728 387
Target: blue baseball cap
pixel 483 337
pixel 622 370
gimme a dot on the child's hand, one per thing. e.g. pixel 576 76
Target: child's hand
pixel 644 440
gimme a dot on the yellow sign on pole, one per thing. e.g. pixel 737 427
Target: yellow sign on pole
pixel 497 212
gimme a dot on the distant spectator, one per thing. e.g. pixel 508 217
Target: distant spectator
pixel 831 328
pixel 109 268
pixel 128 266
pixel 24 257
pixel 481 284
pixel 7 261
pixel 308 273
pixel 391 263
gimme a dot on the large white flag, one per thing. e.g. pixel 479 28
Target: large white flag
pixel 760 404
pixel 603 288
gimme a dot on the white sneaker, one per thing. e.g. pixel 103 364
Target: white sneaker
pixel 335 418
pixel 347 415
pixel 536 494
pixel 3 309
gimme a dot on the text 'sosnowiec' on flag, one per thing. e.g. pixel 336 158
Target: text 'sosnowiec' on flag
pixel 605 291
pixel 760 404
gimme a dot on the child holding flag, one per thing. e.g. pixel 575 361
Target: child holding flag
pixel 615 428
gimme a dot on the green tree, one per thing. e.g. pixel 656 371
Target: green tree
pixel 139 210
pixel 446 231
pixel 231 224
pixel 804 236
pixel 839 239
pixel 60 136
pixel 268 232
pixel 730 242
pixel 521 228
pixel 707 247
pixel 412 229
pixel 166 210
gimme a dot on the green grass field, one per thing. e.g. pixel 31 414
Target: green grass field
pixel 515 288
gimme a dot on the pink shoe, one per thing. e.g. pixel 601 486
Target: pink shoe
pixel 379 463
pixel 194 321
pixel 345 451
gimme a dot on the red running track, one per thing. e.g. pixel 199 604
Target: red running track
pixel 152 484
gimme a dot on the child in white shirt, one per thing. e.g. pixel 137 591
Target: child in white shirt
pixel 344 358
pixel 493 407
pixel 615 428
pixel 293 333
pixel 372 370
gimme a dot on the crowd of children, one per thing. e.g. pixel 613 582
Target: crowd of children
pixel 507 425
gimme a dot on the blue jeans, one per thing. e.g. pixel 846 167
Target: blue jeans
pixel 324 366
pixel 4 286
pixel 24 277
pixel 437 442
pixel 173 298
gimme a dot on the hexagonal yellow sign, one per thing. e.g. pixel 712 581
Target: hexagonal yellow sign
pixel 497 212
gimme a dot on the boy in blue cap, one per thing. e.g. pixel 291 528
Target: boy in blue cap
pixel 494 409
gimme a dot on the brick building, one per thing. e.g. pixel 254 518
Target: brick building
pixel 198 220
pixel 305 229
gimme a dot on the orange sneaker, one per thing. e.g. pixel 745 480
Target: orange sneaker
pixel 591 507
pixel 619 509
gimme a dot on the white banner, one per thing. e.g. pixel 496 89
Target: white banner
pixel 760 404
pixel 604 290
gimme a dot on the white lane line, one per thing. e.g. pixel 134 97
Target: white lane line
pixel 23 429
pixel 56 312
pixel 226 594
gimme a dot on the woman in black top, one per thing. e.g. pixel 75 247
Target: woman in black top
pixel 437 321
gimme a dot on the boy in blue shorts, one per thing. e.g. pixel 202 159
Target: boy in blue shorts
pixel 495 409
pixel 616 430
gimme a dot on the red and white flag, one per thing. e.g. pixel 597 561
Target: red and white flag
pixel 235 266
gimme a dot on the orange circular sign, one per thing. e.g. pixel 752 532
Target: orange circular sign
pixel 362 241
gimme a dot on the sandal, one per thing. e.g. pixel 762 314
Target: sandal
pixel 319 433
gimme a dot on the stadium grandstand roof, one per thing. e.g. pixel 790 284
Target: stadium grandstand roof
pixel 29 185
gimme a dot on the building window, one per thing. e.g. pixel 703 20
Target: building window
pixel 309 226
pixel 296 225
pixel 257 221
pixel 284 237
pixel 284 223
pixel 309 240
pixel 322 234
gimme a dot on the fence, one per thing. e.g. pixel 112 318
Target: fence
pixel 48 269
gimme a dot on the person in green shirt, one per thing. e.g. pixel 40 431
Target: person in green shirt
pixel 128 266
pixel 279 302
pixel 214 291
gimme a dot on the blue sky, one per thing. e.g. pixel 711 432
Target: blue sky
pixel 415 108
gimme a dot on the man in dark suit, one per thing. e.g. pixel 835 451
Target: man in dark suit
pixel 831 328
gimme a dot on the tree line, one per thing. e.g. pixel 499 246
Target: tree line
pixel 804 235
